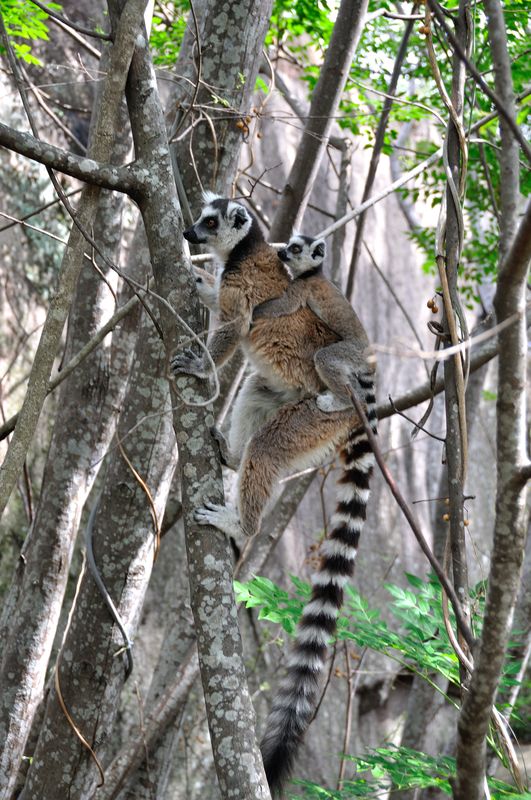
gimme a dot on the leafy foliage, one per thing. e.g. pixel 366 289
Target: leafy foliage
pixel 402 769
pixel 167 31
pixel 24 20
pixel 419 107
pixel 418 641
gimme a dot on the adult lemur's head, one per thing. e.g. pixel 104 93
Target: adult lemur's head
pixel 303 254
pixel 222 224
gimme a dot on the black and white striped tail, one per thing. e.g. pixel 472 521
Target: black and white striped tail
pixel 296 700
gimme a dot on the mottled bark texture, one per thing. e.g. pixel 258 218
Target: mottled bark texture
pixel 40 580
pixel 105 125
pixel 229 708
pixel 88 169
pixel 512 470
pixel 509 154
pixel 91 674
pixel 231 37
pixel 325 100
pixel 86 415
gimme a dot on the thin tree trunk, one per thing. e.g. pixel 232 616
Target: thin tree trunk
pixel 513 472
pixel 325 100
pixel 106 121
pixel 91 675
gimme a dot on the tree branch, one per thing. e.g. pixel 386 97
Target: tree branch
pixel 86 169
pixel 510 522
pixel 236 754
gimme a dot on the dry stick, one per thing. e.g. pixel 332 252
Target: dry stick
pixel 449 244
pixel 413 524
pixel 408 176
pixel 502 110
pixel 69 24
pixel 348 717
pixel 21 220
pixel 377 149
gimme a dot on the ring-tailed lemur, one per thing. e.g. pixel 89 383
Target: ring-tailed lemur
pixel 338 364
pixel 282 350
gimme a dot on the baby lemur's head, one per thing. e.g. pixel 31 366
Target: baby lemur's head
pixel 222 224
pixel 302 254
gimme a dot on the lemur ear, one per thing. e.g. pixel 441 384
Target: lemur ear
pixel 319 249
pixel 239 217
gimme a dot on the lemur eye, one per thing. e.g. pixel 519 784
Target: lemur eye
pixel 295 248
pixel 211 222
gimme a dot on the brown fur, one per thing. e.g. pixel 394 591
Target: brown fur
pixel 280 348
pixel 298 435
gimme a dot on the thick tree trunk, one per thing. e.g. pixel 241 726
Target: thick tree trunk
pixel 236 755
pixel 38 587
pixel 90 674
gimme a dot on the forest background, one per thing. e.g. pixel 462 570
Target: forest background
pixel 400 132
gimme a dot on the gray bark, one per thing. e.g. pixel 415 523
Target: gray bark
pixel 236 754
pixel 107 111
pixel 32 609
pixel 231 36
pixel 509 154
pixel 90 673
pixel 236 29
pixel 89 169
pixel 512 470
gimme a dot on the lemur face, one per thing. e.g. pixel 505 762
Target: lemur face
pixel 302 253
pixel 222 224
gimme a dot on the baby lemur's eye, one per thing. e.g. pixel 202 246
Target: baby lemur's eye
pixel 211 222
pixel 295 248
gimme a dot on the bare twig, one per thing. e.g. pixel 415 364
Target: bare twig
pixel 377 149
pixel 69 24
pixel 413 524
pixel 406 177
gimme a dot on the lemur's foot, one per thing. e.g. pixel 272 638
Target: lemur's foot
pixel 224 518
pixel 189 363
pixel 329 402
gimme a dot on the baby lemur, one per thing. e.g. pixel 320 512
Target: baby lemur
pixel 338 364
pixel 292 434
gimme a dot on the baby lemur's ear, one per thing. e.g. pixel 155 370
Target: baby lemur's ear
pixel 319 249
pixel 238 214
